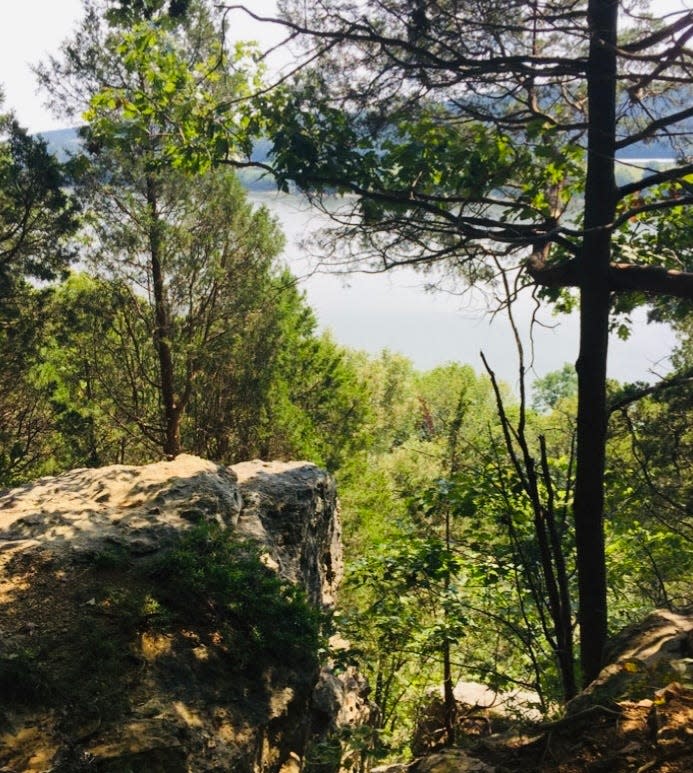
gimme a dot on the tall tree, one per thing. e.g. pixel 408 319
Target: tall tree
pixel 149 83
pixel 98 369
pixel 486 134
pixel 37 218
pixel 37 215
pixel 25 415
pixel 280 390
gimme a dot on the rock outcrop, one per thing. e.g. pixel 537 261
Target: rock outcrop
pixel 644 656
pixel 291 508
pixel 340 708
pixel 138 633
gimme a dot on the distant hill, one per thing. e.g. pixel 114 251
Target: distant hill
pixel 62 143
pixel 66 142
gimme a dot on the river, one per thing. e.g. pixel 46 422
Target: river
pixel 393 311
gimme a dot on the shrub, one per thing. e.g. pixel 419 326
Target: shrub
pixel 261 617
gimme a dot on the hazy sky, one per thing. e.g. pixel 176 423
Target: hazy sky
pixel 393 311
pixel 370 312
pixel 31 29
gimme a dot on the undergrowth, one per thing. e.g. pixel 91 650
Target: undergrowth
pixel 262 618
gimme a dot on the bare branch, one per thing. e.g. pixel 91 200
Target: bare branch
pixel 680 379
pixel 676 173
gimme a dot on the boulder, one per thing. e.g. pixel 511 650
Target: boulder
pixel 444 761
pixel 480 711
pixel 340 707
pixel 396 767
pixel 138 632
pixel 450 761
pixel 515 704
pixel 644 656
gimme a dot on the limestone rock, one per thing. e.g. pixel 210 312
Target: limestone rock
pixel 103 667
pixel 445 761
pixel 291 508
pixel 149 746
pixel 397 767
pixel 480 711
pixel 450 761
pixel 342 699
pixel 141 508
pixel 662 635
pixel 641 658
pixel 340 705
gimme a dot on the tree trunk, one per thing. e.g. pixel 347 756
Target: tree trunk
pixel 449 702
pixel 162 330
pixel 600 198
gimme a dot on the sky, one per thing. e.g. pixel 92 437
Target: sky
pixel 33 29
pixel 366 312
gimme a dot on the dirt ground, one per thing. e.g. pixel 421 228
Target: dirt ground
pixel 648 736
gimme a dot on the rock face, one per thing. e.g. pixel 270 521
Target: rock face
pixel 341 706
pixel 133 638
pixel 292 510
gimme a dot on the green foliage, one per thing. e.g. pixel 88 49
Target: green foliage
pixel 473 143
pixel 440 530
pixel 87 368
pixel 320 147
pixel 391 394
pixel 37 216
pixel 26 429
pixel 208 345
pixel 125 12
pixel 554 387
pixel 281 390
pixel 661 237
pixel 174 232
pixel 266 384
pixel 166 106
pixel 324 756
pixel 320 139
pixel 494 613
pixel 650 498
pixel 37 219
pixel 262 618
pixel 649 568
pixel 443 551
